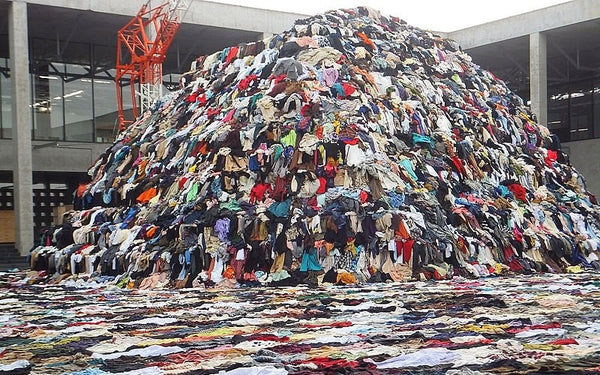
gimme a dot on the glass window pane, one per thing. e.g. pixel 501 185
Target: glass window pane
pixel 5 100
pixel 79 118
pixel 581 110
pixel 171 82
pixel 47 106
pixel 105 107
pixel 558 111
pixel 596 108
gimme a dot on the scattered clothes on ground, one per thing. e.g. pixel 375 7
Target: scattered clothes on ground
pixel 527 324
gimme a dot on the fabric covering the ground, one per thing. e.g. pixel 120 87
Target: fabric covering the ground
pixel 526 324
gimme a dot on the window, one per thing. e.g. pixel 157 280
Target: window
pixel 105 109
pixel 79 116
pixel 573 110
pixel 47 106
pixel 581 116
pixel 5 100
pixel 558 111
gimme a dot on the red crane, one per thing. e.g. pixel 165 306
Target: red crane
pixel 142 46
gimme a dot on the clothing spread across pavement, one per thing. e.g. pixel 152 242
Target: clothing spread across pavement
pixel 499 325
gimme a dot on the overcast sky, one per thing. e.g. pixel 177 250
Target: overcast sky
pixel 437 15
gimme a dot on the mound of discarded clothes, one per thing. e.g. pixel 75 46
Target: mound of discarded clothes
pixel 351 148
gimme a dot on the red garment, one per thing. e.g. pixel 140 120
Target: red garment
pixel 280 189
pixel 364 196
pixel 233 51
pixel 569 341
pixel 535 326
pixel 518 191
pixel 245 82
pixel 512 260
pixel 458 163
pixel 312 202
pixel 182 181
pixel 83 247
pixel 257 194
pixel 551 156
pixel 322 185
pixel 352 142
pixel 348 89
pixel 404 249
pixel 192 97
pixel 279 78
pixel 211 112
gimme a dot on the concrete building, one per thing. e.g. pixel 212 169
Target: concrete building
pixel 58 102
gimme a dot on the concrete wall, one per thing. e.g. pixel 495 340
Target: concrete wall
pixel 200 12
pixel 524 24
pixel 585 157
pixel 61 157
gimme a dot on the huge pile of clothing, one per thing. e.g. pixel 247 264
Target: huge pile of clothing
pixel 351 148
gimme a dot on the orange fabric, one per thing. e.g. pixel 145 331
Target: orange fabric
pixel 147 195
pixel 81 189
pixel 366 39
pixel 329 247
pixel 150 232
pixel 229 273
pixel 365 74
pixel 346 278
pixel 402 231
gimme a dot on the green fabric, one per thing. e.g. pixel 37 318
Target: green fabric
pixel 192 193
pixel 290 138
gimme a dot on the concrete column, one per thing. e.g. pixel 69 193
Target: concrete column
pixel 21 120
pixel 538 85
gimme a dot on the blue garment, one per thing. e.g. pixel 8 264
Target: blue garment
pixel 407 165
pixel 337 89
pixel 128 217
pixel 418 138
pixel 310 261
pixel 396 199
pixel 502 190
pixel 281 209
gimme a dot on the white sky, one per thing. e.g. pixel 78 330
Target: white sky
pixel 437 15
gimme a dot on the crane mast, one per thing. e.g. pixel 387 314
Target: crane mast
pixel 142 46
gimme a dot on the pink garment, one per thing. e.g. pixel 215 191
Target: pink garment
pixel 330 76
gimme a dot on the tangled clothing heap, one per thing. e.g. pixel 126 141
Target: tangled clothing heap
pixel 352 147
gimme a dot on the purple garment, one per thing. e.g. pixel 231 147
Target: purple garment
pixel 222 228
pixel 330 76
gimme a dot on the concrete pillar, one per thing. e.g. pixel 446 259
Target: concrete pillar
pixel 538 84
pixel 21 120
